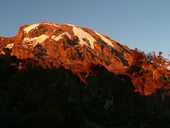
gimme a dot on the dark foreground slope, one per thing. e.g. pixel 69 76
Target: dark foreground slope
pixel 55 98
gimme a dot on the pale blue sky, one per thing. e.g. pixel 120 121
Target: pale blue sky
pixel 144 24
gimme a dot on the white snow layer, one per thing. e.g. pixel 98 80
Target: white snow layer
pixel 57 38
pixel 70 25
pixel 81 34
pixel 9 46
pixel 109 42
pixel 36 40
pixel 29 28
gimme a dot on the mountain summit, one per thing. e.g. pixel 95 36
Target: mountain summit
pixel 64 45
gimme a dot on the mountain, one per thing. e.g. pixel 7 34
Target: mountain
pixel 68 46
pixel 79 49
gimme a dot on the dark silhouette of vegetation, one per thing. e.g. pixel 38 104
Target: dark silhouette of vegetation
pixel 55 98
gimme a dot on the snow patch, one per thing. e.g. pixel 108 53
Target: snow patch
pixel 2 53
pixel 9 46
pixel 57 38
pixel 81 34
pixel 168 68
pixel 70 25
pixel 109 42
pixel 36 40
pixel 29 28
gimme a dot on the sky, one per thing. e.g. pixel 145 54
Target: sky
pixel 142 24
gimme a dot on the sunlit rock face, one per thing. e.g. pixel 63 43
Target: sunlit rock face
pixel 74 48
